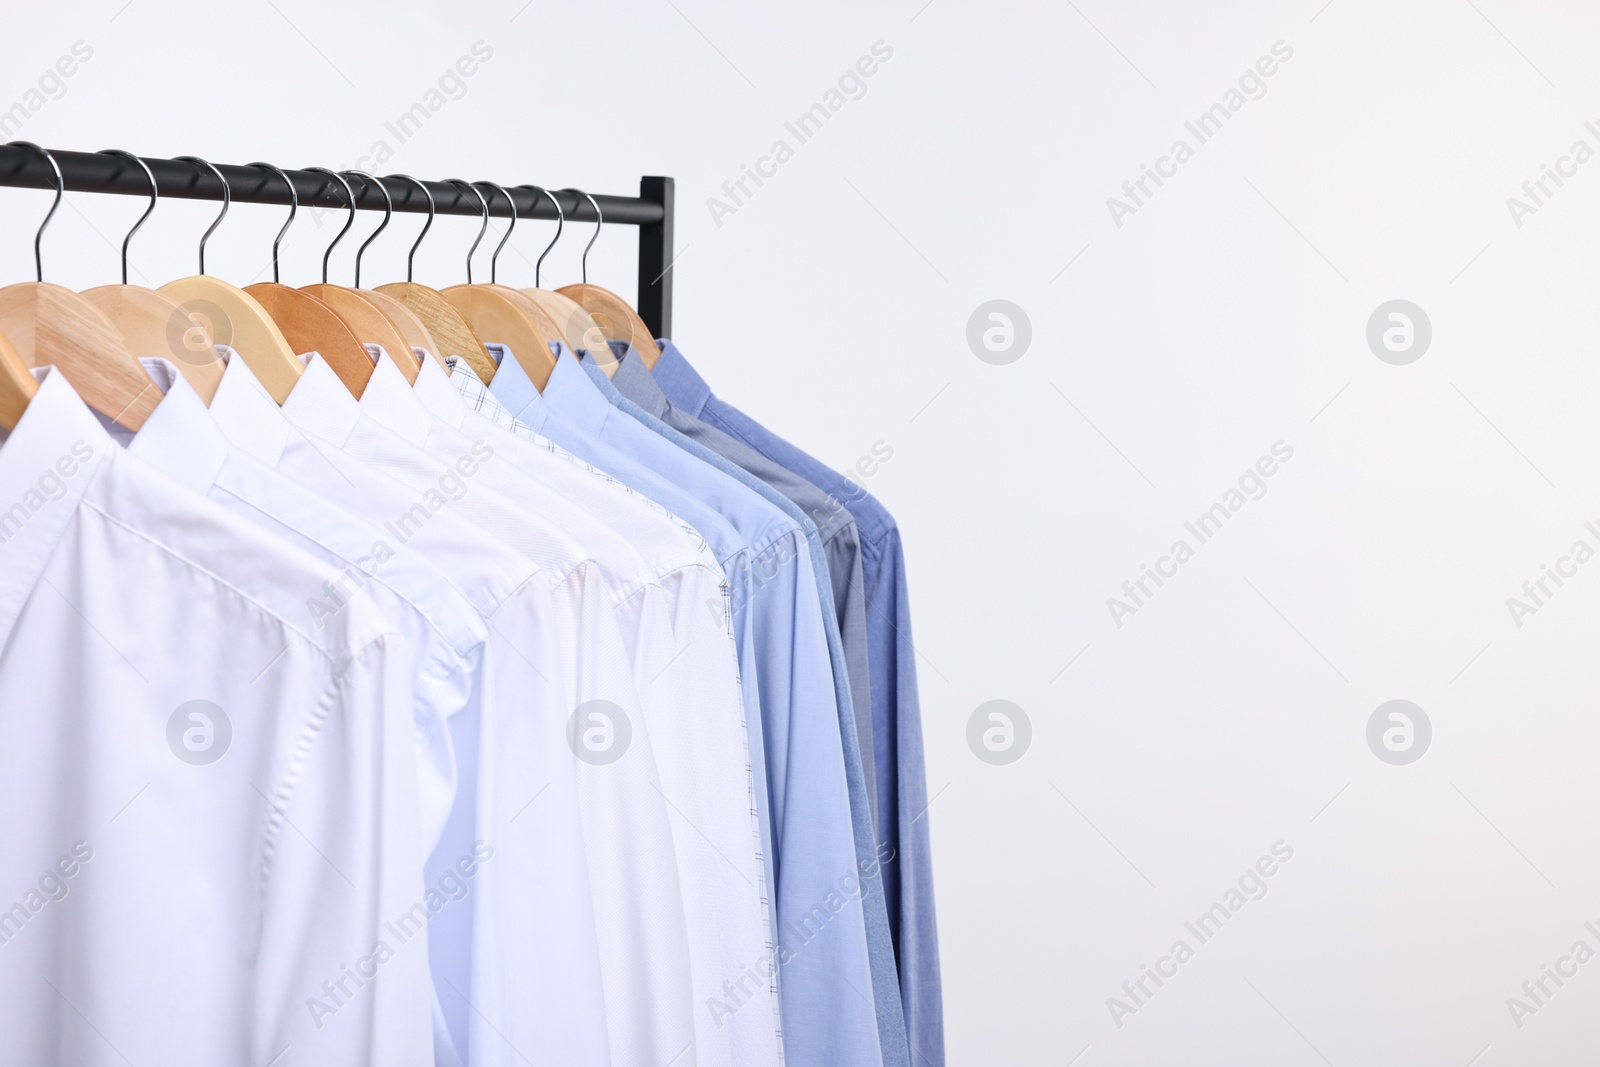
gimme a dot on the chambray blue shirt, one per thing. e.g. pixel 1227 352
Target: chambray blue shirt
pixel 896 715
pixel 825 976
pixel 684 431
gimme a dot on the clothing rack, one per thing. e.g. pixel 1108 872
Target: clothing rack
pixel 94 172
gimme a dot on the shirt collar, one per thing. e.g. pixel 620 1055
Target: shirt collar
pixel 180 437
pixel 435 390
pixel 472 395
pixel 633 381
pixel 679 381
pixel 46 466
pixel 573 394
pixel 320 403
pixel 512 385
pixel 390 401
pixel 602 384
pixel 246 413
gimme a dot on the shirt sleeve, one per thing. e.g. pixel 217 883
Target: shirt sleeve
pixel 334 982
pixel 824 972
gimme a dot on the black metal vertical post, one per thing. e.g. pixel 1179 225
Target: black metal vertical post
pixel 655 258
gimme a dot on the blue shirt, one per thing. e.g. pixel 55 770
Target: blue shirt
pixel 822 958
pixel 691 435
pixel 896 715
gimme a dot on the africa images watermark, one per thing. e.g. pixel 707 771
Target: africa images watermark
pixel 449 487
pixel 50 486
pixel 1203 528
pixel 770 563
pixel 795 934
pixel 451 85
pixel 1537 191
pixel 852 85
pixel 51 85
pixel 1536 992
pixel 1536 591
pixel 53 887
pixel 1251 885
pixel 1252 85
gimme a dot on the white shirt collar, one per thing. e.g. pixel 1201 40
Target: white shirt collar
pixel 435 390
pixel 389 401
pixel 180 437
pixel 320 403
pixel 246 413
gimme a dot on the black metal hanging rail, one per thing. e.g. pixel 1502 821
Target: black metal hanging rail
pixel 93 172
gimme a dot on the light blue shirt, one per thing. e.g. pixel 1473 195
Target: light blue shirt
pixel 825 976
pixel 896 715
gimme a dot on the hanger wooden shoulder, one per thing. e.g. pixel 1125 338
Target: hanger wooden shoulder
pixel 154 324
pixel 506 316
pixel 17 385
pixel 50 324
pixel 234 317
pixel 309 325
pixel 410 325
pixel 368 322
pixel 616 317
pixel 445 323
pixel 578 328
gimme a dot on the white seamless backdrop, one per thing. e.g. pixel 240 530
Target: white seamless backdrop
pixel 1188 313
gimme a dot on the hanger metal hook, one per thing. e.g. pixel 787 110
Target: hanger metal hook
pixel 481 229
pixel 61 187
pixel 412 255
pixel 294 209
pixel 350 199
pixel 561 222
pixel 154 195
pixel 494 260
pixel 388 213
pixel 599 221
pixel 227 199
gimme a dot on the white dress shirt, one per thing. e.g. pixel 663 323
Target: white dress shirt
pixel 518 968
pixel 644 949
pixel 445 634
pixel 213 802
pixel 694 704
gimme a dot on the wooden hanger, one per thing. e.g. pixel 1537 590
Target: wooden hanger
pixel 503 314
pixel 307 323
pixel 614 315
pixel 453 335
pixel 234 317
pixel 576 326
pixel 51 324
pixel 362 315
pixel 152 323
pixel 408 322
pixel 17 385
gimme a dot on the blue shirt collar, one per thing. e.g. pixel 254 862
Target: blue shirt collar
pixel 682 384
pixel 602 384
pixel 634 382
pixel 574 393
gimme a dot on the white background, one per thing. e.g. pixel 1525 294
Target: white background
pixel 1227 314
